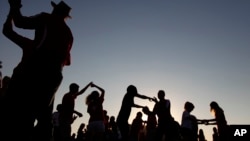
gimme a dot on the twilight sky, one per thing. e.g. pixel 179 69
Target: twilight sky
pixel 194 50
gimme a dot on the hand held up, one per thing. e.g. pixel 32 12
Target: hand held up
pixel 15 3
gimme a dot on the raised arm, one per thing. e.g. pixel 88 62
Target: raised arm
pixel 13 36
pixel 84 89
pixel 99 88
pixel 20 20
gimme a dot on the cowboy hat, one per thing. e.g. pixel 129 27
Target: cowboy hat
pixel 62 7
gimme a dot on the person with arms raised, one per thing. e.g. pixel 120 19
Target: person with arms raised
pixel 96 126
pixel 67 116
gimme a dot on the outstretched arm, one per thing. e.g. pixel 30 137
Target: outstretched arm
pixel 144 97
pixel 211 122
pixel 154 99
pixel 200 121
pixel 138 106
pixel 207 121
pixel 78 113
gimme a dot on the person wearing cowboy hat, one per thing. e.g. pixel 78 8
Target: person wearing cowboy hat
pixel 43 73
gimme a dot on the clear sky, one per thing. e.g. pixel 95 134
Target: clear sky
pixel 194 50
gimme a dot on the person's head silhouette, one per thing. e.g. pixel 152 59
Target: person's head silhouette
pixel 95 95
pixel 74 88
pixel 139 115
pixel 189 106
pixel 132 90
pixel 161 94
pixel 214 105
pixel 59 107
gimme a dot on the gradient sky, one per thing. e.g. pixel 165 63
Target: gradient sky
pixel 194 50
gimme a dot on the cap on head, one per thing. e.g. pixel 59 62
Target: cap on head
pixel 61 8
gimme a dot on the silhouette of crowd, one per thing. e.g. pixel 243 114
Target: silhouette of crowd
pixel 31 90
pixel 160 124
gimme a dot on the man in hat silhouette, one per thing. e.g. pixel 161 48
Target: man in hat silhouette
pixel 42 73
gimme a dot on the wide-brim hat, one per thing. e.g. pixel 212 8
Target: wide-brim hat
pixel 62 7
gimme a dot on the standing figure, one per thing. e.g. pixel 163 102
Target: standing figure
pixel 151 124
pixel 201 135
pixel 81 133
pixel 56 123
pixel 126 107
pixel 219 120
pixel 96 126
pixel 67 116
pixel 189 123
pixel 106 123
pixel 113 129
pixel 33 86
pixel 136 127
pixel 166 123
pixel 215 134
